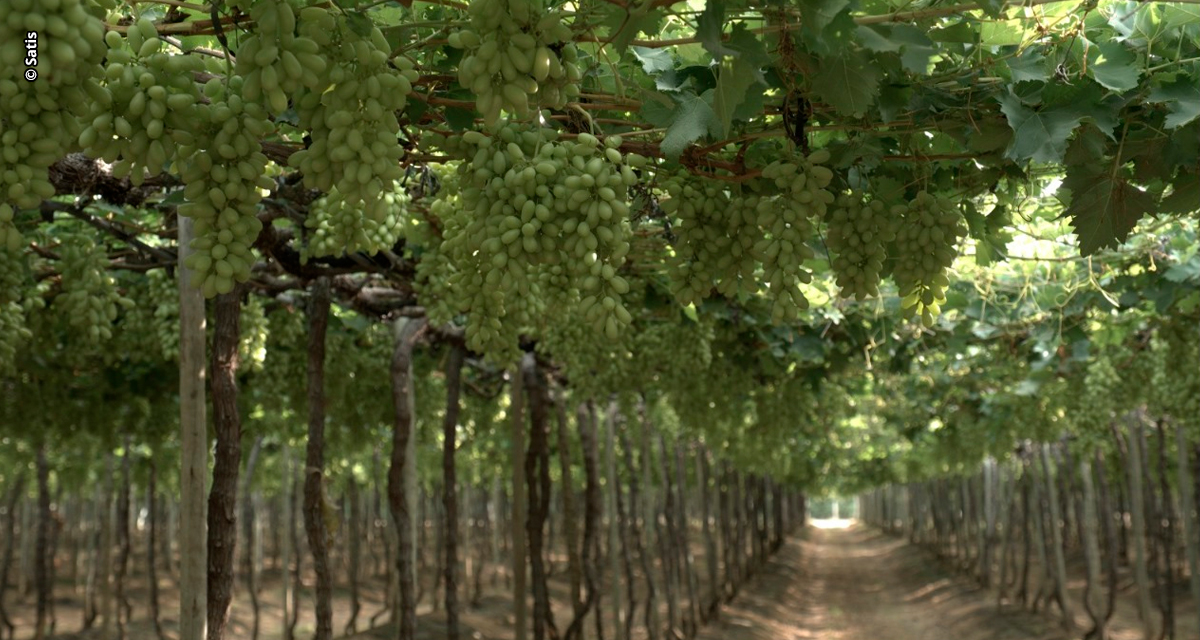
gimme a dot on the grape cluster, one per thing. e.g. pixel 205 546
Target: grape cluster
pixel 89 296
pixel 726 237
pixel 254 329
pixel 714 240
pixel 538 221
pixel 350 112
pixel 223 174
pixel 926 245
pixel 39 120
pixel 1175 388
pixel 136 118
pixel 337 227
pixel 1095 412
pixel 858 234
pixel 785 220
pixel 519 55
pixel 12 314
pixel 274 60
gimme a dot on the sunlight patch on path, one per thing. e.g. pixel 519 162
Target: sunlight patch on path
pixel 832 523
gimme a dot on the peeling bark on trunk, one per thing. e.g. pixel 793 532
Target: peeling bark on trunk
pixel 1138 517
pixel 42 562
pixel 248 568
pixel 222 499
pixel 1191 526
pixel 728 582
pixel 537 475
pixel 1056 535
pixel 315 525
pixel 152 517
pixel 450 485
pixel 614 537
pixel 517 518
pixel 1166 522
pixel 15 491
pixel 402 475
pixel 591 518
pixel 635 536
pixel 1112 546
pixel 570 524
pixel 297 499
pixel 692 621
pixel 668 541
pixel 1092 595
pixel 653 621
pixel 193 444
pixel 124 608
pixel 354 539
pixel 704 471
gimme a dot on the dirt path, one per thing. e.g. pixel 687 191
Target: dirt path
pixel 857 584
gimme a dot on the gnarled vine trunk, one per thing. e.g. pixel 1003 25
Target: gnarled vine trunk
pixel 449 486
pixel 222 498
pixel 314 473
pixel 401 487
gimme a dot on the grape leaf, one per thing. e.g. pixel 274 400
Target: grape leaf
pixel 736 77
pixel 1113 66
pixel 654 61
pixel 1104 207
pixel 848 82
pixel 1185 197
pixel 1182 98
pixel 625 25
pixel 709 27
pixel 693 119
pixel 815 15
pixel 1040 136
pixel 1029 66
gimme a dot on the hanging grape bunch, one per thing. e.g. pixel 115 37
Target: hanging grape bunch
pixel 337 227
pixel 538 219
pixel 142 110
pixel 350 113
pixel 785 220
pixel 223 175
pixel 710 252
pixel 89 297
pixel 518 56
pixel 274 60
pixel 858 234
pixel 926 245
pixel 39 120
pixel 12 314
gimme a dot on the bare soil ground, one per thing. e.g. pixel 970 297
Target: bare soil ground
pixel 837 581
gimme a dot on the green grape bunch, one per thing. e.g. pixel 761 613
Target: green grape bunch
pixel 786 221
pixel 13 330
pixel 350 113
pixel 274 60
pixel 713 247
pixel 926 245
pixel 223 176
pixel 858 233
pixel 89 296
pixel 337 227
pixel 518 55
pixel 40 120
pixel 538 221
pixel 140 114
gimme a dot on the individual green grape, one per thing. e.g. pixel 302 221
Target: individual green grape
pixel 518 55
pixel 274 60
pixel 138 116
pixel 223 175
pixel 858 234
pixel 39 120
pixel 926 245
pixel 351 113
pixel 89 297
pixel 337 227
pixel 10 237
